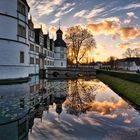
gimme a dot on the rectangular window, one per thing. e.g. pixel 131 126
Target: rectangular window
pixel 21 31
pixel 45 52
pixel 61 63
pixel 45 62
pixel 31 60
pixel 31 47
pixel 21 57
pixel 37 49
pixel 62 49
pixel 21 8
pixel 62 55
pixel 37 61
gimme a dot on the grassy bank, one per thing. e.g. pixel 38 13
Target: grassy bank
pixel 134 77
pixel 124 88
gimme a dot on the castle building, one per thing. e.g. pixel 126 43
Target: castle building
pixel 14 48
pixel 25 50
pixel 60 50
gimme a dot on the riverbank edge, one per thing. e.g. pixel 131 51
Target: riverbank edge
pixel 134 77
pixel 128 90
pixel 14 81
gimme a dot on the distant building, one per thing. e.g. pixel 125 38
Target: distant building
pixel 128 64
pixel 25 50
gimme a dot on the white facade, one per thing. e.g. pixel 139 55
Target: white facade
pixel 60 57
pixel 14 50
pixel 129 66
pixel 23 49
pixel 60 60
pixel 37 49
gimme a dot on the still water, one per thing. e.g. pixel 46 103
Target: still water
pixel 65 110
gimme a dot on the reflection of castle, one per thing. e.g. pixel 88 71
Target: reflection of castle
pixel 25 103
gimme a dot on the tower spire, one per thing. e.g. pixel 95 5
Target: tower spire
pixel 59 24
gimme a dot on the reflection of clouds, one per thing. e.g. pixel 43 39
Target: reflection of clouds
pixel 127 134
pixel 107 107
pixel 127 120
pixel 82 98
pixel 97 119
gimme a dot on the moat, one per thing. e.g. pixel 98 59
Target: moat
pixel 80 109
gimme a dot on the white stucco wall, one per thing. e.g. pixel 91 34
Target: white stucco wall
pixel 58 60
pixel 10 44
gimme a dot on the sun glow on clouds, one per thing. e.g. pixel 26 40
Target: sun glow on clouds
pixel 101 19
pixel 113 28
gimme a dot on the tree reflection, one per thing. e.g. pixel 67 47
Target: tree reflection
pixel 80 94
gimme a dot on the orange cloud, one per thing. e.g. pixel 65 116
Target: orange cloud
pixel 112 28
pixel 107 107
pixel 53 29
pixel 124 45
pixel 127 33
pixel 137 44
pixel 39 25
pixel 105 27
pixel 128 45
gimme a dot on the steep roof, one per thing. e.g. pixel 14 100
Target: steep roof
pixel 59 42
pixel 59 31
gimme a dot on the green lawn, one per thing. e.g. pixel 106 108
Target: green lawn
pixel 127 89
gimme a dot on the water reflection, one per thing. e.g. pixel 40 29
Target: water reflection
pixel 74 109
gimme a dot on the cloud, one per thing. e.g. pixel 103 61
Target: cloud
pixel 68 7
pixel 111 28
pixel 129 45
pixel 55 20
pixel 137 44
pixel 106 107
pixel 94 12
pixel 43 7
pixel 104 27
pixel 124 45
pixel 130 6
pixel 80 13
pixel 53 29
pixel 127 33
pixel 39 25
pixel 130 17
pixel 61 13
pixel 89 13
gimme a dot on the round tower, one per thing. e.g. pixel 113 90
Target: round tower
pixel 14 50
pixel 60 50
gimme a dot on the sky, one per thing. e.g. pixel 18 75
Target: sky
pixel 115 24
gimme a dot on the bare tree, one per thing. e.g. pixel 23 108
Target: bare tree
pixel 132 53
pixel 128 53
pixel 111 60
pixel 79 41
pixel 136 52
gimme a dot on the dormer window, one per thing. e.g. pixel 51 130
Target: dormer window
pixel 21 8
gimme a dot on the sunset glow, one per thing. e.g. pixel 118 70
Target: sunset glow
pixel 115 25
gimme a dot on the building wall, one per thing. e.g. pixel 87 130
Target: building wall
pixel 13 42
pixel 10 43
pixel 60 61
